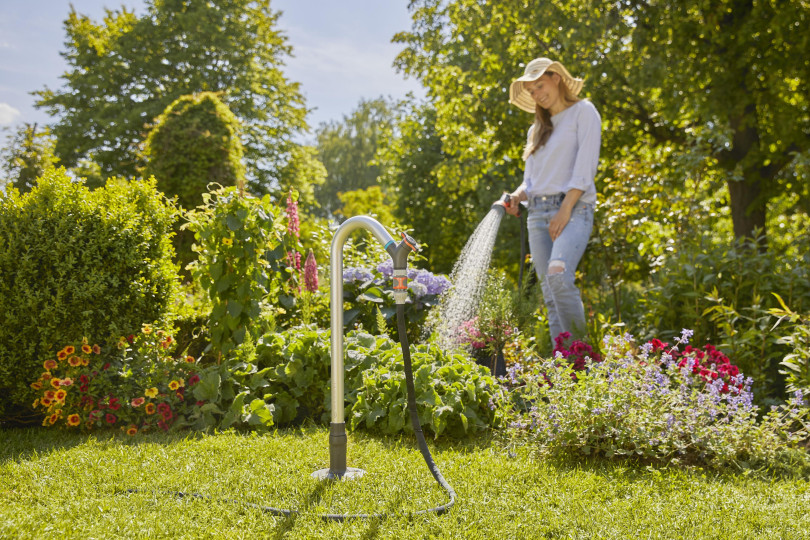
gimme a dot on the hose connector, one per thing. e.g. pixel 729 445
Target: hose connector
pixel 399 255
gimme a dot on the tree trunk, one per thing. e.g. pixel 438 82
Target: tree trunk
pixel 747 210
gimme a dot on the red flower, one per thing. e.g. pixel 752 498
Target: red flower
pixel 110 418
pixel 194 379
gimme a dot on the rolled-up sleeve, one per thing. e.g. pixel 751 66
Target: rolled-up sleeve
pixel 589 136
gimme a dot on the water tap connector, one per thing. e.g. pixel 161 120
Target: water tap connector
pixel 399 255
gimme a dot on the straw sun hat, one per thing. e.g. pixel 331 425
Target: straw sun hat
pixel 519 96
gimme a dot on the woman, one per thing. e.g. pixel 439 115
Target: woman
pixel 561 154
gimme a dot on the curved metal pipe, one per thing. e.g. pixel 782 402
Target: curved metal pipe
pixel 336 300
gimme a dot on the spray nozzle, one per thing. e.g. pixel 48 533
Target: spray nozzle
pixel 503 202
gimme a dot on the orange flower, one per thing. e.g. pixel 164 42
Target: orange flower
pixel 50 364
pixel 74 420
pixel 61 355
pixel 35 404
pixel 132 430
pixel 49 394
pixel 96 349
pixel 190 359
pixel 56 382
pixel 46 402
pixel 36 386
pixel 53 418
pixel 67 381
pixel 75 361
pixel 137 402
pixel 85 361
pixel 87 349
pixel 70 349
pixel 151 392
pixel 46 376
pixel 150 408
pixel 60 396
pixel 174 385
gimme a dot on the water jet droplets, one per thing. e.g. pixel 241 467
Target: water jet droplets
pixel 460 302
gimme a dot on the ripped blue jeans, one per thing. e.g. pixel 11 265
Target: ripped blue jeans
pixel 556 261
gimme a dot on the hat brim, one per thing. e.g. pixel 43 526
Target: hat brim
pixel 520 97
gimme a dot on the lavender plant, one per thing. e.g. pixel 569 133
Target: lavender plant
pixel 651 403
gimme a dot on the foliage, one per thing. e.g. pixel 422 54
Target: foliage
pixel 237 237
pixel 233 393
pixel 118 81
pixel 369 201
pixel 648 404
pixel 796 364
pixel 679 63
pixel 78 263
pixel 454 395
pixel 368 290
pixel 724 292
pixel 442 206
pixel 195 142
pixel 347 149
pixel 28 153
pixel 135 385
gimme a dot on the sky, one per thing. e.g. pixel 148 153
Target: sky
pixel 342 52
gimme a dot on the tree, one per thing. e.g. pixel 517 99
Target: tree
pixel 26 156
pixel 125 71
pixel 347 149
pixel 195 142
pixel 724 79
pixel 443 210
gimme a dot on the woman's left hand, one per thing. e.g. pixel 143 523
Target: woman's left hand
pixel 558 222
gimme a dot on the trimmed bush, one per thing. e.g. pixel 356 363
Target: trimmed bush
pixel 195 142
pixel 77 263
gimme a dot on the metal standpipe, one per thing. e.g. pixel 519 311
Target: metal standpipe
pixel 337 429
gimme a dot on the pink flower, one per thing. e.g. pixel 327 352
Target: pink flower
pixel 292 217
pixel 311 273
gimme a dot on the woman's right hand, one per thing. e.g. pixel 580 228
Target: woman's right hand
pixel 513 206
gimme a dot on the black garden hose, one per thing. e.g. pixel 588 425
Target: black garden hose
pixel 420 439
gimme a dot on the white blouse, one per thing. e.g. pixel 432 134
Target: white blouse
pixel 570 157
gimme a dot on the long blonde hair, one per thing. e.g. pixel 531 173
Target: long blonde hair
pixel 542 127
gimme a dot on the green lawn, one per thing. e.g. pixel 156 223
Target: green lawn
pixel 62 485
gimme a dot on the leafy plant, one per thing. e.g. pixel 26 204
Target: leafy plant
pixel 237 238
pixel 454 396
pixel 797 362
pixel 78 263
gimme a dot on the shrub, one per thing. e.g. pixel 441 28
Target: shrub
pixel 195 142
pixel 78 263
pixel 656 404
